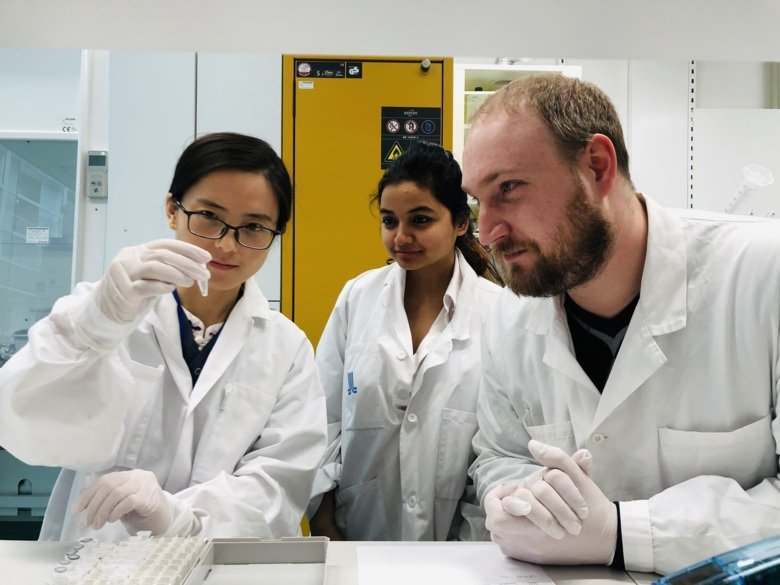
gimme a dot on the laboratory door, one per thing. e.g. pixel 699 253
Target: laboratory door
pixel 345 119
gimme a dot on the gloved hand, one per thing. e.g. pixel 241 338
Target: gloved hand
pixel 519 537
pixel 133 496
pixel 549 498
pixel 138 274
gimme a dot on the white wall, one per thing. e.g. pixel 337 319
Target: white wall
pixel 726 141
pixel 658 129
pixel 593 29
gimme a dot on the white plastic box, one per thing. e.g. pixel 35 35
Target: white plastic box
pixel 292 561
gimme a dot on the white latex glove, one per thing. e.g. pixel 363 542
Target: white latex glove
pixel 138 274
pixel 521 538
pixel 133 496
pixel 549 498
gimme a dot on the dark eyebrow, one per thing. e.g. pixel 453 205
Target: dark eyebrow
pixel 218 207
pixel 421 208
pixel 261 217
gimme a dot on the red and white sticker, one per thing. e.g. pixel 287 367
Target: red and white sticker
pixel 410 126
pixel 393 126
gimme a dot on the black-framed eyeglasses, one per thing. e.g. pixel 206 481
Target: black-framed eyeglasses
pixel 205 224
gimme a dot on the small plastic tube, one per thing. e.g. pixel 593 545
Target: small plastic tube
pixel 203 285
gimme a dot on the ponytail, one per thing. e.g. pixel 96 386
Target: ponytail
pixel 478 257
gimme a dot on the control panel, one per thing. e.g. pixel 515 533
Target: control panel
pixel 97 174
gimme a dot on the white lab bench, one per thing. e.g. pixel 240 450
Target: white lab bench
pixel 31 563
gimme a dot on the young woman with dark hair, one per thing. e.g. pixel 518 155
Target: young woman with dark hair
pixel 399 360
pixel 171 411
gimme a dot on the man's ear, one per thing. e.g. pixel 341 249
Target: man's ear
pixel 601 161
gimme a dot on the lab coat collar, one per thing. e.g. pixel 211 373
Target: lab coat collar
pixel 663 299
pixel 662 309
pixel 463 298
pixel 250 307
pixel 458 298
pixel 461 292
pixel 460 295
pixel 253 303
pixel 164 320
pixel 392 303
pixel 451 294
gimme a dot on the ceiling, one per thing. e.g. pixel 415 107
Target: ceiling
pixel 585 29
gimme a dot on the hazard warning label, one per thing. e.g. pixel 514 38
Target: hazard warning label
pixel 395 152
pixel 402 126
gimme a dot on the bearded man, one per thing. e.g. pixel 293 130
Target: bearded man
pixel 631 370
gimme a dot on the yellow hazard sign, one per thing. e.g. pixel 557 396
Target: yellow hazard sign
pixel 395 152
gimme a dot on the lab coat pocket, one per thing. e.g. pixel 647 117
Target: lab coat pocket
pixel 362 389
pixel 454 452
pixel 238 424
pixel 360 511
pixel 741 454
pixel 557 434
pixel 147 393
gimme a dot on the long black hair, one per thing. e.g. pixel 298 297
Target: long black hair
pixel 231 151
pixel 431 167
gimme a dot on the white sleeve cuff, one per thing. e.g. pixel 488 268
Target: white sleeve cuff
pixel 184 522
pixel 637 536
pixel 94 329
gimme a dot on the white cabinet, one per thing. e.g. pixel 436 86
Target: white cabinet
pixel 475 82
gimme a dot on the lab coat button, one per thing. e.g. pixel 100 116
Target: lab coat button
pixel 598 438
pixel 400 355
pixel 412 501
pixel 412 417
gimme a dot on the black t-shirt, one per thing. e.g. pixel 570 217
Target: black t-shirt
pixel 597 339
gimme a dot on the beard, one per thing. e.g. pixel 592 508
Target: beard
pixel 581 248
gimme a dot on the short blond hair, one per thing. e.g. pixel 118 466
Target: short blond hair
pixel 573 111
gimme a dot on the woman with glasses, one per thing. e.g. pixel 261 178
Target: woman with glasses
pixel 399 361
pixel 175 400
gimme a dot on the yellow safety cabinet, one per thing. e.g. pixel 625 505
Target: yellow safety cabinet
pixel 344 120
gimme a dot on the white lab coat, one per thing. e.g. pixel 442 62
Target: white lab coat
pixel 685 434
pixel 401 474
pixel 239 450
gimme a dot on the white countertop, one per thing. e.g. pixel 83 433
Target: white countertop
pixel 32 563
